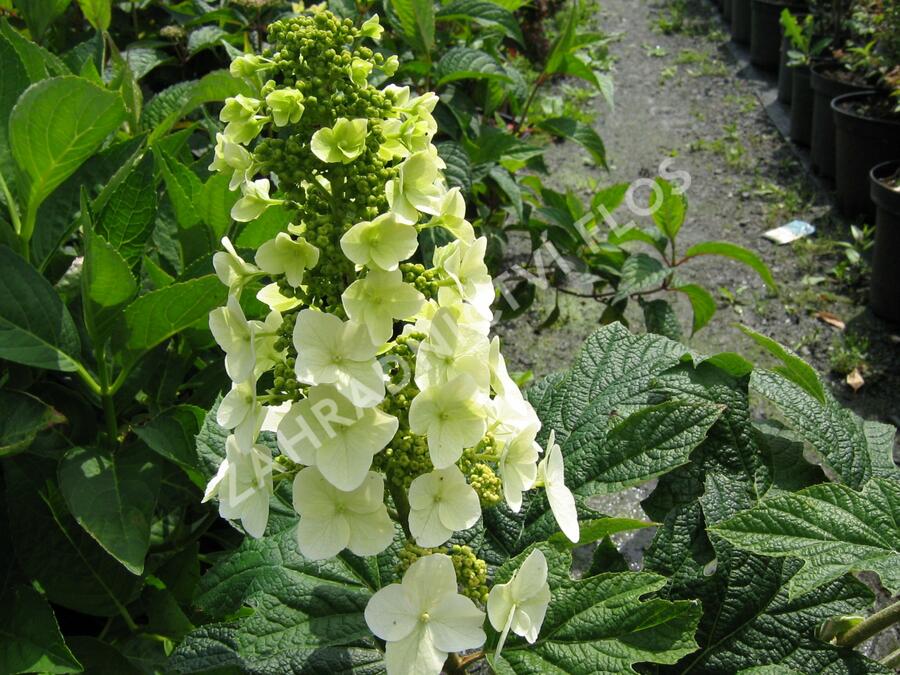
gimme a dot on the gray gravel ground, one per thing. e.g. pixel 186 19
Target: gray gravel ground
pixel 701 114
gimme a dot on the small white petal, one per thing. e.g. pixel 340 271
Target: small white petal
pixel 414 655
pixel 389 615
pixel 455 624
pixel 431 578
pixel 319 539
pixel 372 533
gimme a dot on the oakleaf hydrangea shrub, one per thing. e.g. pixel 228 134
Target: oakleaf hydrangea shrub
pixel 404 499
pixel 391 403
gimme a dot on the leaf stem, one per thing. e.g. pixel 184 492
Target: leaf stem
pixel 874 624
pixel 892 660
pixel 28 230
pixel 609 294
pixel 11 206
pixel 106 396
pixel 87 378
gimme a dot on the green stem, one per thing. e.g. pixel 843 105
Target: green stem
pixel 109 416
pixel 106 396
pixel 534 90
pixel 874 624
pixel 400 501
pixel 284 475
pixel 105 391
pixel 120 380
pixel 892 660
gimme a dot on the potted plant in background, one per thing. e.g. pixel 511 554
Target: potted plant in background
pixel 830 79
pixel 765 30
pixel 805 48
pixel 785 72
pixel 885 190
pixel 868 123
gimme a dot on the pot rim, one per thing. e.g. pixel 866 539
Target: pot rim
pixel 837 100
pixel 819 66
pixel 875 171
pixel 883 196
pixel 823 84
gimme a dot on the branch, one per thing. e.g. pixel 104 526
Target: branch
pixel 874 624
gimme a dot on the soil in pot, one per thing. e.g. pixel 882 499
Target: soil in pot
pixel 828 81
pixel 867 133
pixel 740 21
pixel 766 32
pixel 801 106
pixel 885 285
pixel 785 73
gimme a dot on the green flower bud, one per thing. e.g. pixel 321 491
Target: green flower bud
pixel 342 143
pixel 372 28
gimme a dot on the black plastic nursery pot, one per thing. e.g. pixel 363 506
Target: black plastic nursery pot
pixel 726 10
pixel 765 32
pixel 801 106
pixel 826 85
pixel 740 21
pixel 861 141
pixel 885 287
pixel 785 73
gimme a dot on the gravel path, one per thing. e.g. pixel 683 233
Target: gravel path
pixel 686 97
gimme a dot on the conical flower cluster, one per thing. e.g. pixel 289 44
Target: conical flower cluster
pixel 392 404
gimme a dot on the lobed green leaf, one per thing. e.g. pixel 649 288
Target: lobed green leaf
pixel 602 624
pixel 581 133
pixel 831 527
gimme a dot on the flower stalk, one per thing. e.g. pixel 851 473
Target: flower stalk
pixel 871 626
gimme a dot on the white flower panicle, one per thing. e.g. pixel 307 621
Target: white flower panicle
pixel 394 413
